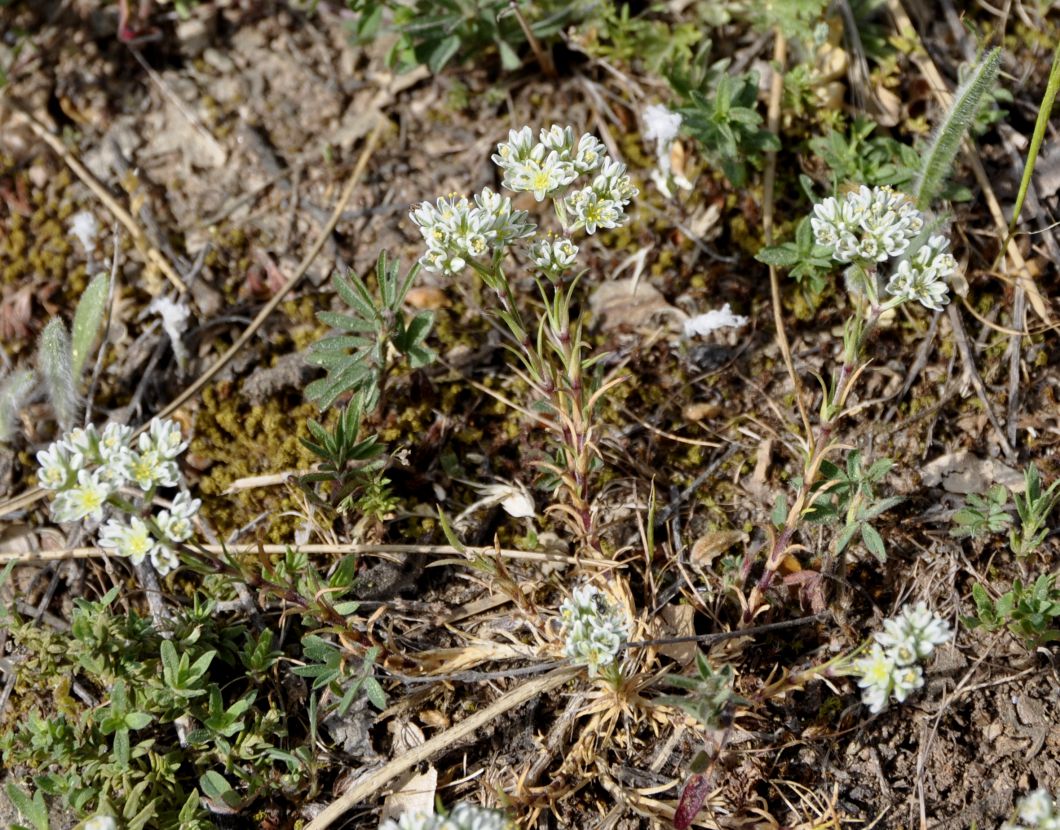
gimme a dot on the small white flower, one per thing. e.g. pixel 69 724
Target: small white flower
pixel 553 256
pixel 85 228
pixel 133 540
pixel 1036 811
pixel 150 469
pixel 165 560
pixel 59 466
pixel 164 436
pixel 710 321
pixel 876 678
pixel 83 441
pixel 85 499
pixel 543 178
pixel 176 522
pixel 101 823
pixel 595 629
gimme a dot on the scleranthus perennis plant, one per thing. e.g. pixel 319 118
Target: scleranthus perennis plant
pixel 589 191
pixel 92 473
pixel 461 817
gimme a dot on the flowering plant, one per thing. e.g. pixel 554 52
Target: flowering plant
pixel 1036 811
pixel 589 191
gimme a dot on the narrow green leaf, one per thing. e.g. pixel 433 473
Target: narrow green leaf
pixel 874 542
pixel 53 359
pixel 14 390
pixel 946 143
pixel 88 319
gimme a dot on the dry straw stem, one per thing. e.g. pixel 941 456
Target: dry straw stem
pixel 776 91
pixel 154 256
pixel 54 554
pixel 938 87
pixel 523 693
pixel 28 498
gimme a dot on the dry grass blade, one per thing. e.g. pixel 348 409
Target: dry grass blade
pixel 364 790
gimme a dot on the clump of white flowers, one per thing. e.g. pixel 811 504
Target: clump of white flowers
pixel 460 233
pixel 869 226
pixel 100 823
pixel 461 817
pixel 1036 811
pixel 594 628
pixel 90 471
pixel 891 667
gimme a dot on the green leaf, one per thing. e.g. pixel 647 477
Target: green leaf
pixel 375 693
pixel 88 318
pixel 215 787
pixel 443 53
pixel 874 542
pixel 941 153
pixel 137 720
pixel 779 256
pixel 14 390
pixel 33 809
pixel 53 359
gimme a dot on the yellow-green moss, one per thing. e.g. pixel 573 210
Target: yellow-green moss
pixel 246 440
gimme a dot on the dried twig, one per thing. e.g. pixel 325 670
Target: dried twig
pixel 776 90
pixel 54 554
pixel 365 789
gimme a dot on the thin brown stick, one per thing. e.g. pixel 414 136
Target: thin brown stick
pixel 968 361
pixel 523 693
pixel 776 90
pixel 154 256
pixel 58 554
pixel 281 295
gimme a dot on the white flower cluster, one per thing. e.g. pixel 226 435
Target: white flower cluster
pixel 549 165
pixel 890 668
pixel 100 823
pixel 867 224
pixel 1036 811
pixel 457 230
pixel 601 204
pixel 922 276
pixel 877 224
pixel 461 817
pixel 595 629
pixel 85 468
pixel 554 255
